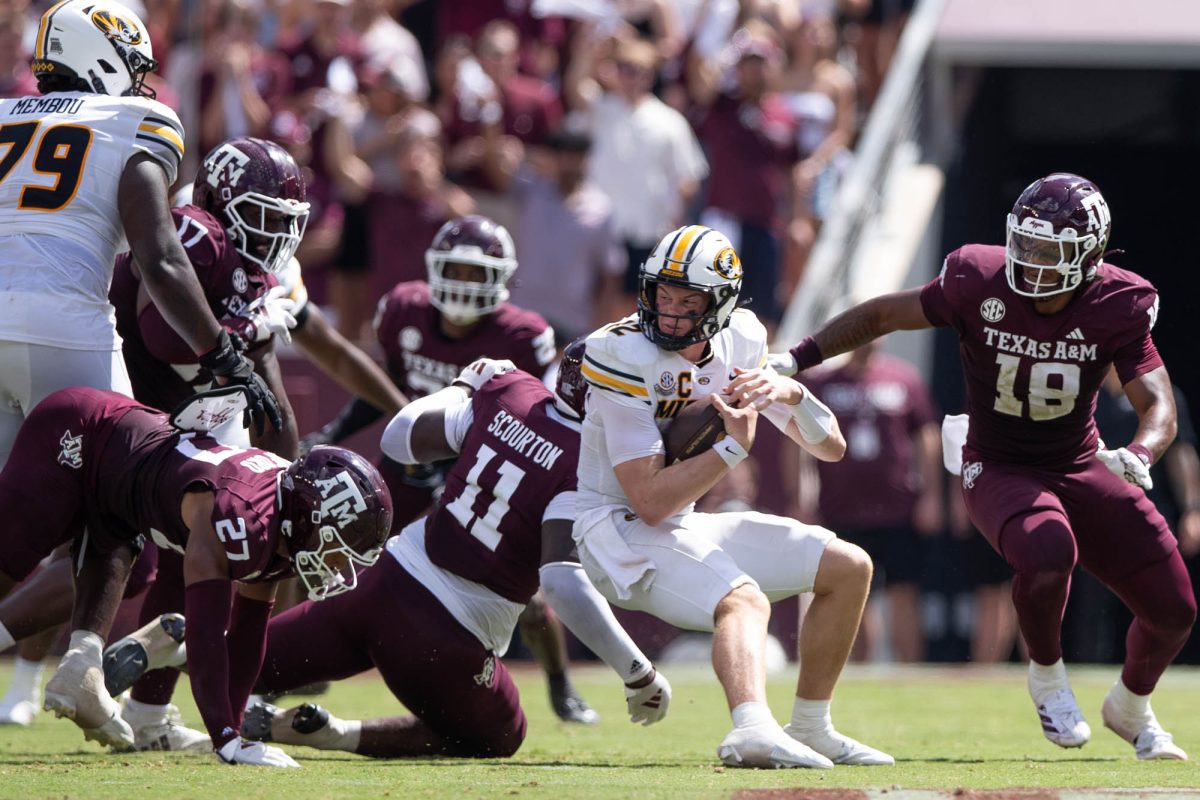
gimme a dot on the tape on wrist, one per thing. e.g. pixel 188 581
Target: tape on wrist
pixel 813 418
pixel 1141 451
pixel 730 451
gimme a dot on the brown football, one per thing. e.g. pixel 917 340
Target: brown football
pixel 695 429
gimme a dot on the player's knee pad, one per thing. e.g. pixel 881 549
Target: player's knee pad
pixel 1039 543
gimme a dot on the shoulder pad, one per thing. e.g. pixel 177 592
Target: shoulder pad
pixel 616 356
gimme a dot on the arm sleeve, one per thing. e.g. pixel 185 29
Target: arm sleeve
pixel 396 442
pixel 207 607
pixel 247 645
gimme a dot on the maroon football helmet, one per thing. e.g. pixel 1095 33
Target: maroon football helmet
pixel 336 514
pixel 462 244
pixel 256 189
pixel 1056 234
pixel 570 388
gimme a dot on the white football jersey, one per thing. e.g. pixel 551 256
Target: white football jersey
pixel 652 384
pixel 60 229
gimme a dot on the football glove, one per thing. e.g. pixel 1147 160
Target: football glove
pixel 231 368
pixel 482 370
pixel 269 315
pixel 648 704
pixel 1128 465
pixel 256 754
pixel 783 363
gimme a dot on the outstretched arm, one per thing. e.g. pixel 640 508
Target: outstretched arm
pixel 865 322
pixel 354 370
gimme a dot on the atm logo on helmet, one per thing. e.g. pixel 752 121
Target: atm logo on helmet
pixel 340 499
pixel 115 27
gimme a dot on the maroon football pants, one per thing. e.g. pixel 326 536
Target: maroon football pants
pixel 1043 523
pixel 461 692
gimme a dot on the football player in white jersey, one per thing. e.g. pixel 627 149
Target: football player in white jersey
pixel 645 548
pixel 85 169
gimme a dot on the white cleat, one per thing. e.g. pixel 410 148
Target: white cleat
pixel 76 691
pixel 20 712
pixel 768 747
pixel 1062 721
pixel 165 731
pixel 1148 738
pixel 841 749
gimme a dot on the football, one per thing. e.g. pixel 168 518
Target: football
pixel 696 428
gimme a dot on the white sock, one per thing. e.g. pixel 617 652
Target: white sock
pixel 811 715
pixel 26 682
pixel 1128 703
pixel 89 642
pixel 144 714
pixel 1046 676
pixel 6 638
pixel 747 715
pixel 351 732
pixel 338 734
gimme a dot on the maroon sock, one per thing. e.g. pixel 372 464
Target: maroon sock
pixel 1041 549
pixel 1164 606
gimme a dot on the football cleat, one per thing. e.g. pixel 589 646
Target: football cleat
pixel 164 730
pixel 1062 721
pixel 841 749
pixel 768 747
pixel 76 691
pixel 308 724
pixel 157 644
pixel 570 707
pixel 258 721
pixel 1149 740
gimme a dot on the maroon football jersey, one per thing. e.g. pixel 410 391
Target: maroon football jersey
pixel 516 457
pixel 1032 378
pixel 162 367
pixel 422 360
pixel 879 410
pixel 137 468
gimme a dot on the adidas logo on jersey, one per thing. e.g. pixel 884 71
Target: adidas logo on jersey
pixel 1075 334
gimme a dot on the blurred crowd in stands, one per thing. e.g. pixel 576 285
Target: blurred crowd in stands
pixel 589 128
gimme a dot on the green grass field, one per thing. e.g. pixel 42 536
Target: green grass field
pixel 949 728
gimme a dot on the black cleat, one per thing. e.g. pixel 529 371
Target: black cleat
pixel 256 722
pixel 309 718
pixel 157 644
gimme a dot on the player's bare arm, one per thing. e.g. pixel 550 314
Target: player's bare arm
pixel 145 213
pixel 347 364
pixel 204 558
pixel 657 491
pixel 763 387
pixel 285 439
pixel 865 322
pixel 1151 397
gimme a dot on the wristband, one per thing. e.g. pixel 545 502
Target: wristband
pixel 1141 451
pixel 644 679
pixel 730 451
pixel 807 354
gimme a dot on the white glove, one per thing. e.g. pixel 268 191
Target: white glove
pixel 1127 465
pixel 648 704
pixel 783 363
pixel 482 370
pixel 269 315
pixel 257 754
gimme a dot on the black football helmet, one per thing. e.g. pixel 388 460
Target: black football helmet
pixel 475 241
pixel 1057 229
pixel 255 188
pixel 570 387
pixel 336 513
